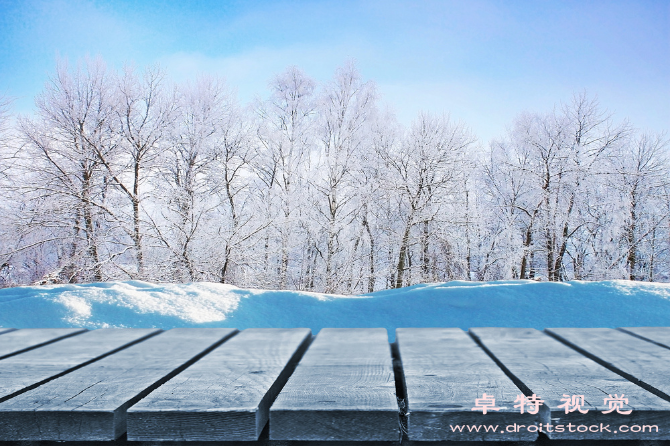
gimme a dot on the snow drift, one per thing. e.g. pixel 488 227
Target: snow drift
pixel 453 304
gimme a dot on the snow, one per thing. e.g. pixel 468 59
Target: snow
pixel 519 303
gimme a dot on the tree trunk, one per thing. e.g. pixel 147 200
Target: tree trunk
pixel 371 256
pixel 468 257
pixel 137 235
pixel 226 263
pixel 528 239
pixel 652 258
pixel 549 246
pixel 330 244
pixel 283 265
pixel 402 255
pixel 330 253
pixel 88 223
pixel 631 259
pixel 425 256
pixel 558 265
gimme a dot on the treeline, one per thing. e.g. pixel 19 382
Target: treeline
pixel 123 175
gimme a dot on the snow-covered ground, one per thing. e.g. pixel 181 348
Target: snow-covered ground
pixel 453 304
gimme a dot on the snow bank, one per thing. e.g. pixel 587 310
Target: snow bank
pixel 453 304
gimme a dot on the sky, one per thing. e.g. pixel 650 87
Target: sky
pixel 482 62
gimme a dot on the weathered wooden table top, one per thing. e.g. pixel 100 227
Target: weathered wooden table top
pixel 272 386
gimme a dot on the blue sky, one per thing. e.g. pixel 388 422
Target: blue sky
pixel 481 61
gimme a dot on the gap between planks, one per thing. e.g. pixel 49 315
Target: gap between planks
pixel 27 339
pixel 619 371
pixel 75 367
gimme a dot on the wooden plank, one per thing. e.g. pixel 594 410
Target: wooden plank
pixel 445 373
pixel 28 370
pixel 19 341
pixel 226 396
pixel 658 335
pixel 639 361
pixel 5 330
pixel 348 347
pixel 546 367
pixel 343 389
pixel 90 403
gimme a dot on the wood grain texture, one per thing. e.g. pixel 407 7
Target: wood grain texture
pixel 345 346
pixel 546 367
pixel 27 370
pixel 226 395
pixel 658 335
pixel 19 341
pixel 639 361
pixel 445 372
pixel 342 390
pixel 90 403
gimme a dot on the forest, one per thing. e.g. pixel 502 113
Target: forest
pixel 126 175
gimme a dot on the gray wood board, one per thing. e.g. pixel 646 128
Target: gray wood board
pixel 342 390
pixel 550 369
pixel 90 403
pixel 659 335
pixel 4 330
pixel 27 370
pixel 445 372
pixel 25 339
pixel 639 361
pixel 348 346
pixel 226 396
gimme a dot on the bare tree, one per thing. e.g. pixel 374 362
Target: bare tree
pixel 427 170
pixel 232 179
pixel 6 164
pixel 6 136
pixel 144 113
pixel 118 175
pixel 286 142
pixel 199 184
pixel 346 108
pixel 557 156
pixel 642 168
pixel 67 185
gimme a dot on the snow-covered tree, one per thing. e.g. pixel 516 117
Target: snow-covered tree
pixel 144 112
pixel 640 175
pixel 119 175
pixel 184 206
pixel 284 130
pixel 544 172
pixel 66 188
pixel 346 109
pixel 232 180
pixel 425 174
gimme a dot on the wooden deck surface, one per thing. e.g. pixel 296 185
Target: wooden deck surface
pixel 343 386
